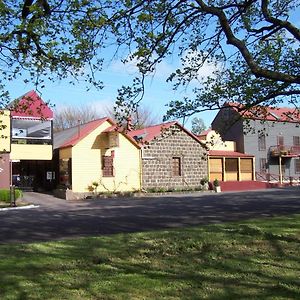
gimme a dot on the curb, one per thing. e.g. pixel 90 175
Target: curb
pixel 19 207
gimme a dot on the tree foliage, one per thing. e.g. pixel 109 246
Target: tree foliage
pixel 198 125
pixel 253 45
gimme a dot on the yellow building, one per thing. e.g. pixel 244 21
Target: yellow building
pixel 96 152
pixel 25 142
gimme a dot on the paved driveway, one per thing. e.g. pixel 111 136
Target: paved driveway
pixel 58 219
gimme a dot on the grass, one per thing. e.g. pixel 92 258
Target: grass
pixel 257 259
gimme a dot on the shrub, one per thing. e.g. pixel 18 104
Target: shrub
pixel 204 180
pixel 5 194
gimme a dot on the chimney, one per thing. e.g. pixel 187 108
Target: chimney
pixel 129 126
pixel 78 128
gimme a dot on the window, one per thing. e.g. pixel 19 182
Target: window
pixel 176 166
pixel 297 165
pixel 280 140
pixel 108 166
pixel 263 165
pixel 296 140
pixel 65 171
pixel 261 142
pixel 31 131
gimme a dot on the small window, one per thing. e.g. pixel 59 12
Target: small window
pixel 261 142
pixel 280 140
pixel 107 166
pixel 263 165
pixel 296 140
pixel 297 165
pixel 176 166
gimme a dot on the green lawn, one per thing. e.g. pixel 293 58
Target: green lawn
pixel 257 259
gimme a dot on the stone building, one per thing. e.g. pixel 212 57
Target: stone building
pixel 172 157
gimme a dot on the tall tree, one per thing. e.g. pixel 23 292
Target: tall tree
pixel 254 45
pixel 198 125
pixel 70 116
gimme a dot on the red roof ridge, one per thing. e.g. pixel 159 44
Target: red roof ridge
pixel 37 108
pixel 153 131
pixel 84 130
pixel 271 113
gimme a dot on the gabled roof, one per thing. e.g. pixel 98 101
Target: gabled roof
pixel 148 134
pixel 71 136
pixel 30 105
pixel 275 114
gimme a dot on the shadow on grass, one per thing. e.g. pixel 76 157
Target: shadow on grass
pixel 254 259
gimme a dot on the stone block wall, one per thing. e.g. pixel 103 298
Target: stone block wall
pixel 158 155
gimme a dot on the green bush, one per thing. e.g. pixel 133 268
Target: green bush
pixel 5 194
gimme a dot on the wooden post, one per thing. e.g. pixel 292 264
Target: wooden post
pixel 280 170
pixel 239 169
pixel 224 170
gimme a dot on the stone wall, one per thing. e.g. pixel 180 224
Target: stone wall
pixel 158 156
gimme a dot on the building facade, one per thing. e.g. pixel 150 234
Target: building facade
pixel 97 152
pixel 172 157
pixel 26 143
pixel 272 135
pixel 224 162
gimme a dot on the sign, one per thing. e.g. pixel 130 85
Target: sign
pixel 49 176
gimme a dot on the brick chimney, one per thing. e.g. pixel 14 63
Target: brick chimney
pixel 129 126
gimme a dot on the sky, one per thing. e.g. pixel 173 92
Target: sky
pixel 115 74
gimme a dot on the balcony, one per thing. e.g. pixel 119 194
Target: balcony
pixel 284 151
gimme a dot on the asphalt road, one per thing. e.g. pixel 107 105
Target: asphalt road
pixel 57 219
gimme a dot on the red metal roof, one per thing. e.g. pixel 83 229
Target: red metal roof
pixel 276 114
pixel 147 134
pixel 31 105
pixel 83 131
pixel 222 153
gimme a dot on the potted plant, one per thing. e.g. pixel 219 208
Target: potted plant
pixel 217 187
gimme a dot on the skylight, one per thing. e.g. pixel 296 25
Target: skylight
pixel 274 115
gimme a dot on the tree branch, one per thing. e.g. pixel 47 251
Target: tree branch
pixel 283 24
pixel 241 46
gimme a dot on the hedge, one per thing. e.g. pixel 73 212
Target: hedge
pixel 5 194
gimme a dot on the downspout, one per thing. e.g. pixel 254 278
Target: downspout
pixel 253 169
pixel 141 168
